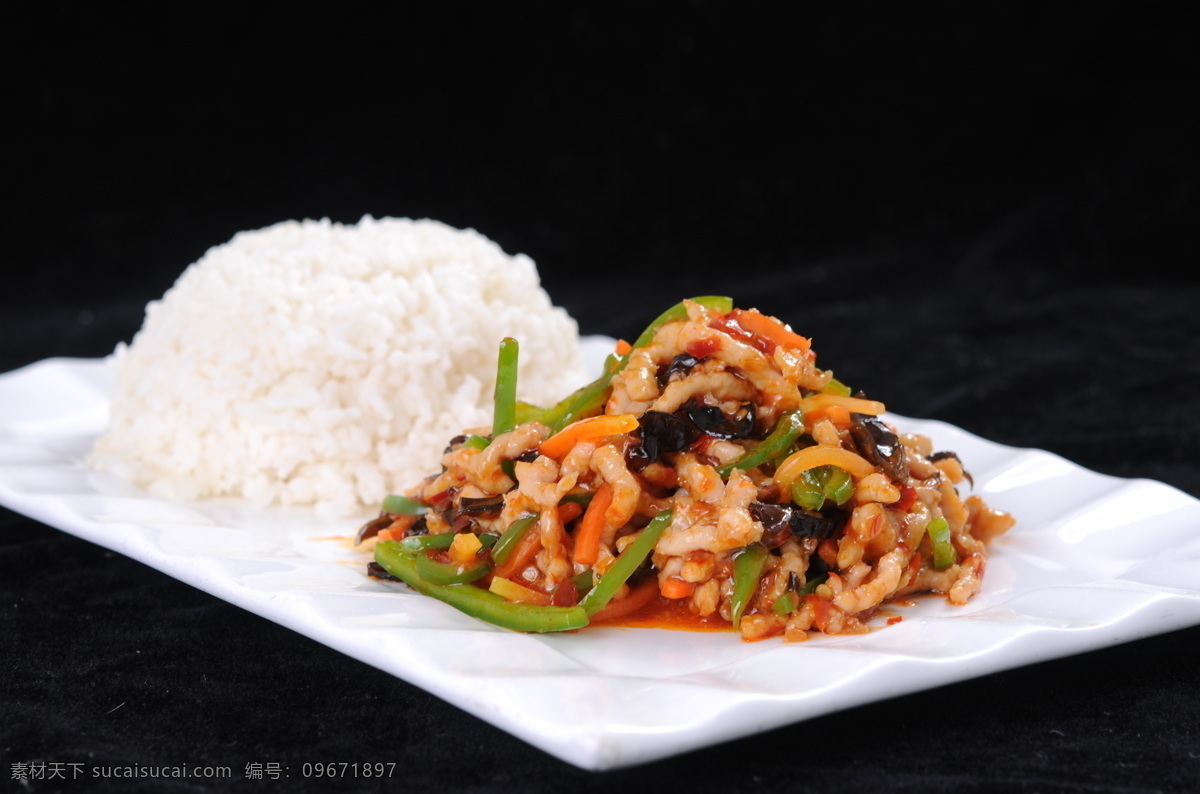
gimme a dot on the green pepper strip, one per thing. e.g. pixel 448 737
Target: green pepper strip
pixel 581 499
pixel 442 540
pixel 439 572
pixel 583 581
pixel 581 402
pixel 624 566
pixel 528 412
pixel 786 430
pixel 747 571
pixel 939 536
pixel 477 602
pixel 511 537
pixel 403 505
pixel 504 406
pixel 718 303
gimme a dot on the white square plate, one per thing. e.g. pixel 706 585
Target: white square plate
pixel 1093 561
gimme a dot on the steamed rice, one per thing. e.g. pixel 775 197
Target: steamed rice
pixel 314 363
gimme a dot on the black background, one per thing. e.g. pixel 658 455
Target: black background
pixel 982 213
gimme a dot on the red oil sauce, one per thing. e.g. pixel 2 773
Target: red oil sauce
pixel 892 612
pixel 665 613
pixel 730 326
pixel 702 348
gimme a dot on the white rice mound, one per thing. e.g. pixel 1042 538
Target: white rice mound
pixel 315 363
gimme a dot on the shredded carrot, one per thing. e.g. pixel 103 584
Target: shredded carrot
pixel 569 511
pixel 623 347
pixel 674 587
pixel 640 596
pixel 596 427
pixel 756 322
pixel 839 415
pixel 390 534
pixel 591 528
pixel 811 457
pixel 858 405
pixel 522 556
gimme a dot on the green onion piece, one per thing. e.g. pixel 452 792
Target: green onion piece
pixel 808 490
pixel 477 602
pixel 810 587
pixel 440 541
pixel 817 484
pixel 403 505
pixel 943 549
pixel 786 430
pixel 785 604
pixel 805 497
pixel 439 572
pixel 718 303
pixel 624 566
pixel 476 442
pixel 747 571
pixel 835 386
pixel 504 408
pixel 511 537
pixel 839 486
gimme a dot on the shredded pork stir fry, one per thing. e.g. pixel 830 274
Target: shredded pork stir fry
pixel 714 468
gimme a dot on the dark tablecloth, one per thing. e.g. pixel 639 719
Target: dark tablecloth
pixel 984 216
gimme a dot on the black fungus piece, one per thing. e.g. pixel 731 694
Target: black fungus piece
pixel 935 457
pixel 657 434
pixel 480 506
pixel 418 527
pixel 528 456
pixel 377 571
pixel 713 421
pixel 878 444
pixel 447 509
pixel 816 567
pixel 454 444
pixel 811 524
pixel 781 522
pixel 680 365
pixel 372 527
pixel 777 526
